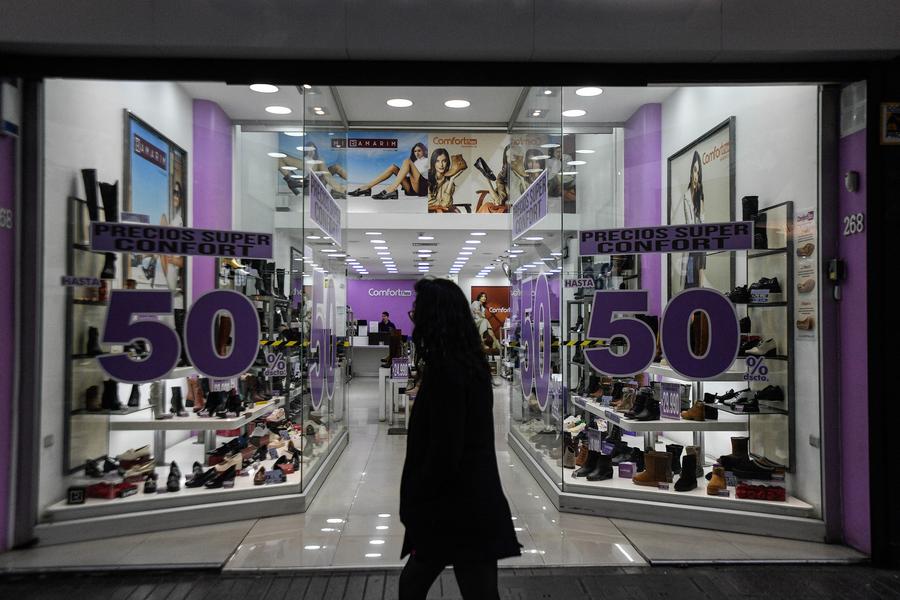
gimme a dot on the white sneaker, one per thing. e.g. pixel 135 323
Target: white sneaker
pixel 764 348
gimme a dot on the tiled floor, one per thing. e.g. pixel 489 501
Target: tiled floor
pixel 353 523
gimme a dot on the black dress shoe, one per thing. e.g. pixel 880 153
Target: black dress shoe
pixel 739 295
pixel 220 479
pixel 109 466
pixel 360 192
pixel 173 469
pixel 173 484
pixel 771 393
pixel 197 469
pixel 485 169
pixel 385 195
pixel 91 469
pixel 202 479
pixel 150 484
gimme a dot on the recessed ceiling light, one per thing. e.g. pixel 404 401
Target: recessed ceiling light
pixel 373 233
pixel 550 145
pixel 588 91
pixel 426 237
pixel 399 103
pixel 569 173
pixel 314 237
pixel 278 110
pixel 516 251
pixel 383 253
pixel 585 151
pixel 465 254
pixel 288 168
pixel 457 103
pixel 469 248
pixel 377 242
pixel 534 238
pixel 264 88
pixel 380 247
pixel 556 254
pixel 574 112
pixel 540 157
pixel 277 154
pixel 478 233
pixel 293 133
pixel 423 264
pixel 473 241
pixel 424 251
pixel 548 92
pixel 575 163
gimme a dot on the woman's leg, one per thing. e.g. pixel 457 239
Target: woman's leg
pixel 477 580
pixel 384 176
pixel 407 168
pixel 417 577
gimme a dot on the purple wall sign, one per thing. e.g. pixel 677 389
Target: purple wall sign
pixel 180 241
pixel 211 185
pixel 324 211
pixel 703 237
pixel 854 352
pixel 642 185
pixel 7 322
pixel 369 297
pixel 531 206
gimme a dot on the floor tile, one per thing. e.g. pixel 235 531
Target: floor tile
pixel 352 550
pixel 209 545
pixel 106 552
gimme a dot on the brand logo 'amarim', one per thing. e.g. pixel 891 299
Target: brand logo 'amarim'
pixel 393 293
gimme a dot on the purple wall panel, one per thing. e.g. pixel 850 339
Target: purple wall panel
pixel 363 296
pixel 854 354
pixel 212 183
pixel 642 186
pixel 7 315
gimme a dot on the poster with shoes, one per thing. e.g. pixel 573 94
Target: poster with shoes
pixel 805 275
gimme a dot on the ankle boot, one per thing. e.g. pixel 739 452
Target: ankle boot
pixel 740 453
pixel 695 413
pixel 279 283
pixel 640 400
pixel 626 404
pixel 134 399
pixel 695 450
pixel 602 470
pixel 223 335
pixel 89 176
pixel 157 399
pixel 650 412
pixel 582 455
pixel 109 266
pixel 688 479
pixel 653 466
pixel 717 481
pixel 675 451
pixel 109 193
pixel 93 343
pixel 177 403
pixel 568 457
pixel 110 399
pixel 589 464
pixel 760 233
pixel 92 399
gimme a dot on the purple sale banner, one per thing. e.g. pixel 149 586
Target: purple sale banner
pixel 324 211
pixel 701 237
pixel 531 206
pixel 180 241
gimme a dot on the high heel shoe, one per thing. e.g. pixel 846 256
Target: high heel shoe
pixel 202 479
pixel 235 460
pixel 220 479
pixel 485 169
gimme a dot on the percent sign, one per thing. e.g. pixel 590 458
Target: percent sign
pixel 756 369
pixel 277 366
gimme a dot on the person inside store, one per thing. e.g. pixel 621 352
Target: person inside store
pixel 451 500
pixel 442 177
pixel 385 325
pixel 411 175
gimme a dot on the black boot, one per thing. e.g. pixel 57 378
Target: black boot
pixel 89 176
pixel 110 400
pixel 93 344
pixel 749 208
pixel 688 479
pixel 760 234
pixel 279 284
pixel 177 403
pixel 109 266
pixel 589 465
pixel 109 192
pixel 650 411
pixel 675 451
pixel 602 469
pixel 134 399
pixel 178 313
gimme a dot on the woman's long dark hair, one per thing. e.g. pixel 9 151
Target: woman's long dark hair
pixel 696 195
pixel 432 175
pixel 412 151
pixel 444 332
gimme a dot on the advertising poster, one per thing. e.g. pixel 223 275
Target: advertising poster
pixel 806 275
pixel 490 309
pixel 532 153
pixel 701 190
pixel 155 188
pixel 319 153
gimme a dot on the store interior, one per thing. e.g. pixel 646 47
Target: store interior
pixel 421 182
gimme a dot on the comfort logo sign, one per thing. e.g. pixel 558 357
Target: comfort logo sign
pixel 454 141
pixel 393 293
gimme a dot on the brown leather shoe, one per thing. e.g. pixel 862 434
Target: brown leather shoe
pixel 457 164
pixel 806 250
pixel 694 413
pixel 717 483
pixel 582 455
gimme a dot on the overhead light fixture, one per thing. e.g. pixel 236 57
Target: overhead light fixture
pixel 277 154
pixel 424 237
pixel 548 92
pixel 469 248
pixel 516 251
pixel 314 237
pixel 574 112
pixel 380 247
pixel 473 241
pixel 556 254
pixel 478 233
pixel 383 253
pixel 264 88
pixel 540 157
pixel 306 86
pixel 585 151
pixel 534 238
pixel 288 168
pixel 569 173
pixel 575 163
pixel 424 251
pixel 373 233
pixel 588 91
pixel 457 103
pixel 550 145
pixel 465 254
pixel 278 110
pixel 377 242
pixel 399 103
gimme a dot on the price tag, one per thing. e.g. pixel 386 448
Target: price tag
pixel 670 400
pixel 607 448
pixel 273 453
pixel 613 416
pixel 759 296
pixel 400 368
pixel 222 385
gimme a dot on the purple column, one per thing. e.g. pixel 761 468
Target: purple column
pixel 7 287
pixel 854 355
pixel 642 185
pixel 212 183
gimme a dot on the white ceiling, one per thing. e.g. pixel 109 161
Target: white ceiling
pixel 489 104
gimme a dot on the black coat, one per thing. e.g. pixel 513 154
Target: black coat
pixel 451 501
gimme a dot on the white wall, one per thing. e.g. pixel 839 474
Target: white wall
pixel 256 183
pixel 596 187
pixel 85 128
pixel 776 156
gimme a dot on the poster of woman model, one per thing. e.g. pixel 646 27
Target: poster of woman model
pixel 156 190
pixel 701 190
pixel 490 308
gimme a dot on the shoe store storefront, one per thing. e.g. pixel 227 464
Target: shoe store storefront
pixel 658 294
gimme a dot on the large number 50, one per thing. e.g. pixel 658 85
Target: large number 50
pixel 724 334
pixel 134 315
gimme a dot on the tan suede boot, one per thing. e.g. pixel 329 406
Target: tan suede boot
pixel 717 483
pixel 694 413
pixel 655 464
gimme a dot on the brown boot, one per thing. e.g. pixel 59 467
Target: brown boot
pixel 627 401
pixel 199 398
pixel 655 464
pixel 695 413
pixel 582 455
pixel 717 483
pixel 457 164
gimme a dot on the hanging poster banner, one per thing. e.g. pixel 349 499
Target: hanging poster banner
pixel 805 273
pixel 179 241
pixel 324 211
pixel 531 207
pixel 702 237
